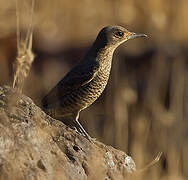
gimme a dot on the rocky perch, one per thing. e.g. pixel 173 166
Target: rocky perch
pixel 36 146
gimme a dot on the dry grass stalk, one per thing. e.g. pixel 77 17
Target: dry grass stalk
pixel 153 162
pixel 25 55
pixel 149 165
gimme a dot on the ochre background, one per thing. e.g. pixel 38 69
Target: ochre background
pixel 144 108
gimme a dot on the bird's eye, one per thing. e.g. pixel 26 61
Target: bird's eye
pixel 119 34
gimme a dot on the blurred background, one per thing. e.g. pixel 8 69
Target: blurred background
pixel 144 108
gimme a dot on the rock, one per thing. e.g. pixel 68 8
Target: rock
pixel 35 146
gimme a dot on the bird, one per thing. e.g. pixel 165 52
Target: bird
pixel 86 81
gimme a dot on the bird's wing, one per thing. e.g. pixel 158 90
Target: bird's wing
pixel 77 77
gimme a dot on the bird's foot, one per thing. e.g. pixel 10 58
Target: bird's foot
pixel 82 131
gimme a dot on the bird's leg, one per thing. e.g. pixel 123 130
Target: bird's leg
pixel 74 123
pixel 80 128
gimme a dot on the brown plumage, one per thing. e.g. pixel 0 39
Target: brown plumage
pixel 85 82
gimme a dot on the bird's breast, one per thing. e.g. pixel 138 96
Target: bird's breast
pixel 91 91
pixel 85 95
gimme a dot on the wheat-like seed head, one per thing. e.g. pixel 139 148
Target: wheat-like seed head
pixel 25 55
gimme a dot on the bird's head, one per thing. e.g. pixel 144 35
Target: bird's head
pixel 115 35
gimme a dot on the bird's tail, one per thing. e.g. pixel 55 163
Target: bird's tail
pixel 45 107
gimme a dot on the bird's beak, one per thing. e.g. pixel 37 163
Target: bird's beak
pixel 136 35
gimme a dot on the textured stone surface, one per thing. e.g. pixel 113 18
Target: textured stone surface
pixel 35 146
